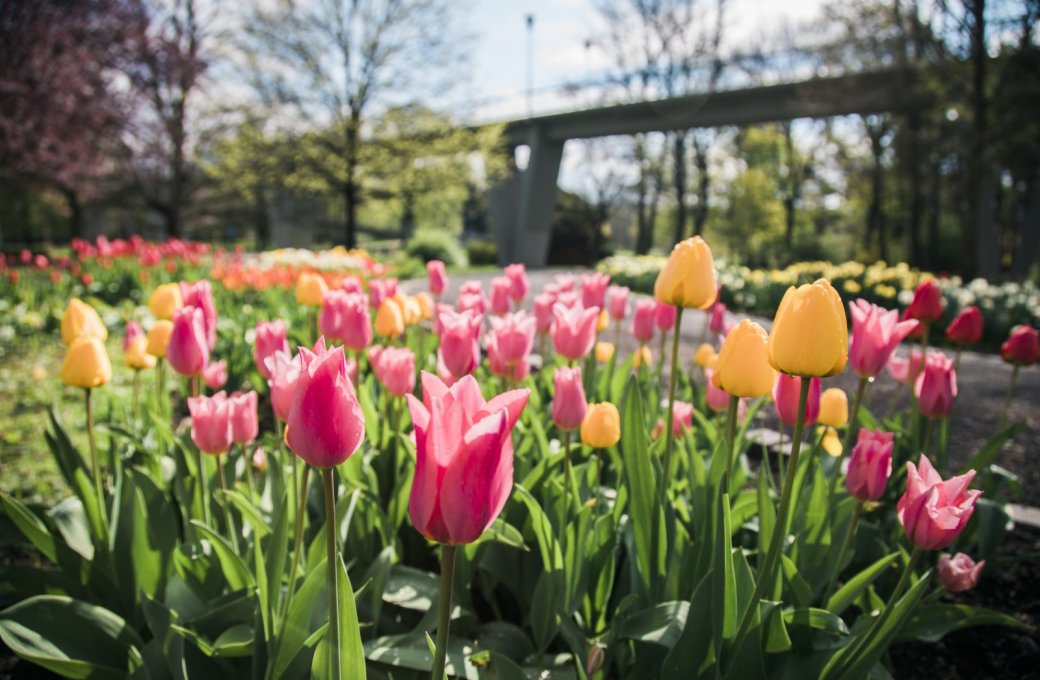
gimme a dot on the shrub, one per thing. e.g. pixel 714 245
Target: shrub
pixel 436 245
pixel 482 251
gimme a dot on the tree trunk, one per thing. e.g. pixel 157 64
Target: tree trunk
pixel 934 217
pixel 791 190
pixel 875 218
pixel 262 221
pixel 644 230
pixel 407 218
pixel 679 184
pixel 973 227
pixel 75 212
pixel 350 188
pixel 700 160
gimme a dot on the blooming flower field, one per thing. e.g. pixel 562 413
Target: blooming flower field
pixel 286 467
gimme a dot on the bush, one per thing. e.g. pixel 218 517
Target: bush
pixel 436 245
pixel 481 251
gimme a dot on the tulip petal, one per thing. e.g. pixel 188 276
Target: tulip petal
pixel 474 473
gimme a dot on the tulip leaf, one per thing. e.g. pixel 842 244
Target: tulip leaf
pixel 307 614
pixel 852 589
pixel 724 580
pixel 645 510
pixel 235 571
pixel 989 452
pixel 931 622
pixel 661 624
pixel 31 526
pixel 693 652
pixel 549 547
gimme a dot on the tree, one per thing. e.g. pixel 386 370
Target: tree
pixel 332 60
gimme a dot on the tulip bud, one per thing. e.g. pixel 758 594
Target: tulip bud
pixel 136 355
pixel 165 300
pixel 870 465
pixel 594 289
pixel 717 321
pixel 834 408
pixel 86 363
pixel 810 335
pixel 665 316
pixel 211 423
pixel 514 336
pixel 425 302
pixel 594 660
pixel 933 512
pixel 501 292
pixel 617 302
pixel 187 350
pixel 517 275
pixel 1022 347
pixel 642 357
pixel 159 337
pixel 379 290
pixel 602 321
pixel 601 427
pixel 543 314
pixel 936 386
pixel 310 289
pixel 270 337
pixel 743 368
pixel 682 417
pixel 716 398
pixel 244 418
pixel 459 350
pixel 604 351
pixel 927 305
pixel 959 572
pixel 966 327
pixel 437 276
pixel 284 369
pixel 705 353
pixel 568 405
pixel 575 331
pixel 215 374
pixel 389 319
pixel 643 320
pixel 80 320
pixel 688 277
pixel 260 459
pixel 200 296
pixel 394 368
pixel 787 392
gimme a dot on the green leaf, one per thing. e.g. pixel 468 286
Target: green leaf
pixel 988 453
pixel 661 624
pixel 70 637
pixel 724 582
pixel 931 622
pixel 31 526
pixel 642 485
pixel 235 571
pixel 817 619
pixel 693 652
pixel 852 589
pixel 234 642
pixel 549 547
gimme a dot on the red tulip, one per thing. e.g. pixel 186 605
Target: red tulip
pixel 517 275
pixel 574 332
pixel 501 290
pixel 617 302
pixel 1022 347
pixel 394 368
pixel 284 371
pixel 460 342
pixel 438 277
pixel 664 316
pixel 643 320
pixel 270 337
pixel 244 419
pixel 464 458
pixel 927 305
pixel 210 423
pixel 785 398
pixel 593 289
pixel 959 572
pixel 933 511
pixel 569 404
pixel 215 374
pixel 326 425
pixel 876 332
pixel 200 295
pixel 870 465
pixel 936 386
pixel 966 327
pixel 187 350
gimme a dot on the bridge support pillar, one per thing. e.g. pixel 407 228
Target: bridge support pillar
pixel 521 206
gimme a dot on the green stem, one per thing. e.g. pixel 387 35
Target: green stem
pixel 294 566
pixel 765 574
pixel 1007 397
pixel 247 458
pixel 929 430
pixel 731 441
pixel 327 475
pixel 669 445
pixel 200 460
pixel 847 439
pixel 95 465
pixel 136 397
pixel 780 465
pixel 850 533
pixel 160 385
pixel 567 482
pixel 444 610
pixel 229 519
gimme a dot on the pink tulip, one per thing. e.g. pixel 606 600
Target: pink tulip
pixel 440 309
pixel 901 368
pixel 785 397
pixel 568 298
pixel 515 370
pixel 501 290
pixel 643 320
pixel 543 314
pixel 351 284
pixel 517 275
pixel 344 316
pixel 514 336
pixel 876 332
pixel 593 289
pixel 200 295
pixel 959 572
pixel 717 322
pixel 244 420
pixel 187 350
pixel 460 342
pixel 394 368
pixel 870 465
pixel 936 386
pixel 966 328
pixel 270 337
pixel 210 423
pixel 284 369
pixel 664 316
pixel 927 305
pixel 215 374
pixel 438 277
pixel 463 458
pixel 716 397
pixel 564 282
pixel 574 331
pixel 682 417
pixel 326 425
pixel 934 512
pixel 568 405
pixel 617 302
pixel 379 290
pixel 133 331
pixel 260 459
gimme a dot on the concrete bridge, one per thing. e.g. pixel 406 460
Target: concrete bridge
pixel 522 205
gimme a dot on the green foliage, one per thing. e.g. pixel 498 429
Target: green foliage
pixel 481 252
pixel 436 244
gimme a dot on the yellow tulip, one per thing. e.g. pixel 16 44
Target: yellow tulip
pixel 165 300
pixel 604 350
pixel 742 368
pixel 425 303
pixel 80 320
pixel 642 356
pixel 688 277
pixel 810 336
pixel 834 407
pixel 159 337
pixel 389 319
pixel 409 309
pixel 831 441
pixel 86 364
pixel 136 355
pixel 310 289
pixel 602 321
pixel 705 353
pixel 602 426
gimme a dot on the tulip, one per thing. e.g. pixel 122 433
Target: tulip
pixel 543 314
pixel 810 333
pixel 215 374
pixel 325 425
pixel 270 337
pixel 602 321
pixel 594 289
pixel 394 368
pixel 1022 348
pixel 211 423
pixel 876 332
pixel 389 319
pixel 136 355
pixel 460 342
pixel 80 320
pixel 665 316
pixel 284 371
pixel 159 338
pixel 716 397
pixel 933 512
pixel 569 404
pixel 165 300
pixel 565 282
pixel 785 398
pixel 717 321
pixel 86 363
pixel 437 276
pixel 927 305
pixel 259 459
pixel 604 351
pixel 351 284
pixel 425 302
pixel 471 302
pixel 133 332
pixel 743 368
pixel 514 336
pixel 870 465
pixel 959 572
pixel 514 371
pixel 617 302
pixel 200 296
pixel 704 355
pixel 355 328
pixel 574 332
pixel 517 275
pixel 642 357
pixel 501 290
pixel 901 368
pixel 601 427
pixel 682 417
pixel 688 277
pixel 936 386
pixel 379 290
pixel 187 351
pixel 310 289
pixel 643 320
pixel 966 327
pixel 411 309
pixel 244 418
pixel 834 408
